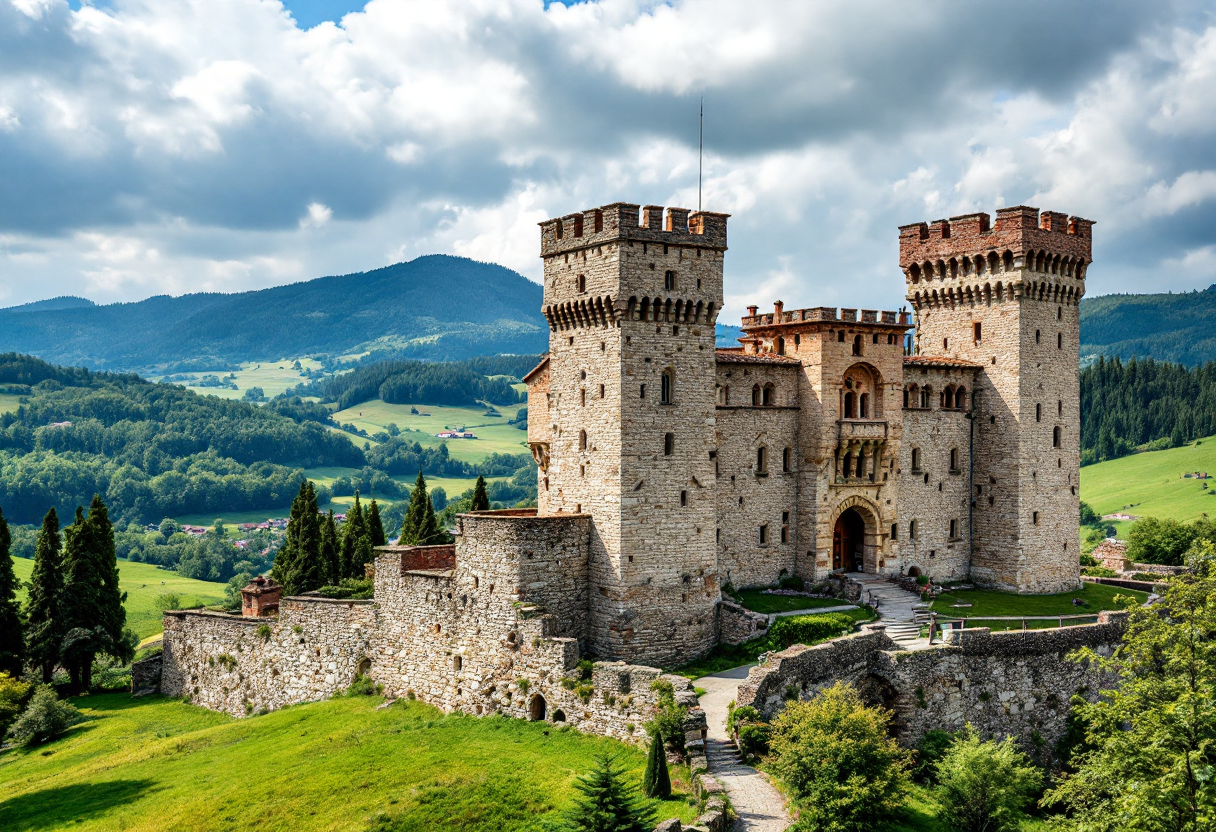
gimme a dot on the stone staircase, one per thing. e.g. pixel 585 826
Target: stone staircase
pixel 901 611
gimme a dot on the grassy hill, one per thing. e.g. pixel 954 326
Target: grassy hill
pixel 437 307
pixel 1168 327
pixel 143 582
pixel 159 765
pixel 1151 484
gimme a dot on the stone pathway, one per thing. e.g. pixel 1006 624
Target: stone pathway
pixel 896 609
pixel 756 801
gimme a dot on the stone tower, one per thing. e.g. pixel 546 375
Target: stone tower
pixel 1005 297
pixel 629 418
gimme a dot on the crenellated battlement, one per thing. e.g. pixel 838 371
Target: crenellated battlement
pixel 624 221
pixel 825 314
pixel 969 245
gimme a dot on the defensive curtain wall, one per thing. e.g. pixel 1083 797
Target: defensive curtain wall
pixel 1003 684
pixel 490 625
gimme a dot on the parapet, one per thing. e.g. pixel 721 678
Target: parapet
pixel 624 221
pixel 822 314
pixel 1018 230
pixel 422 558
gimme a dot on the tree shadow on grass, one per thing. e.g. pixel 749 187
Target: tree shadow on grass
pixel 56 808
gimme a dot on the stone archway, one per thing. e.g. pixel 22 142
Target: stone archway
pixel 536 708
pixel 856 537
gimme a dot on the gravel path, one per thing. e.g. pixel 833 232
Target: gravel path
pixel 757 802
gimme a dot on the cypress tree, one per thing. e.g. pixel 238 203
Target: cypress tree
pixel 430 533
pixel 657 780
pixel 607 804
pixel 12 645
pixel 375 527
pixel 481 502
pixel 331 549
pixel 355 552
pixel 94 616
pixel 80 598
pixel 45 627
pixel 285 559
pixel 311 570
pixel 415 514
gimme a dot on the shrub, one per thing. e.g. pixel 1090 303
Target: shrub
pixel 45 718
pixel 607 803
pixel 1098 572
pixel 363 686
pixel 168 601
pixel 14 693
pixel 921 580
pixel 985 786
pixel 807 629
pixel 669 717
pixel 656 782
pixel 352 589
pixel 753 740
pixel 792 582
pixel 930 749
pixel 835 756
pixel 1089 560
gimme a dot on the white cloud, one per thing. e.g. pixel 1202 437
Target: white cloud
pixel 318 215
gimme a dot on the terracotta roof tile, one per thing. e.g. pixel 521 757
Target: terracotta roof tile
pixel 737 356
pixel 939 361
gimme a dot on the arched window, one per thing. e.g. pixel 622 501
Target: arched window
pixel 849 412
pixel 667 386
pixel 926 397
pixel 863 408
pixel 785 459
pixel 756 396
pixel 768 395
pixel 669 281
pixel 761 460
pixel 948 398
pixel 582 440
pixel 847 470
pixel 857 345
pixel 840 336
pixel 1055 437
pixel 912 530
pixel 960 398
pixel 916 460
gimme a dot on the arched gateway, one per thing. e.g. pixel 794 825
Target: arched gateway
pixel 855 539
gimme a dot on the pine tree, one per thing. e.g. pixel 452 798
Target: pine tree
pixel 285 557
pixel 415 514
pixel 331 549
pixel 356 543
pixel 298 566
pixel 607 804
pixel 481 502
pixel 12 645
pixel 45 628
pixel 657 780
pixel 375 527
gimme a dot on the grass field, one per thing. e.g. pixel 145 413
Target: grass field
pixel 757 601
pixel 159 765
pixel 1151 485
pixel 493 433
pixel 9 402
pixel 274 377
pixel 1096 597
pixel 143 582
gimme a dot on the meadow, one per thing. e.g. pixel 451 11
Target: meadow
pixel 160 765
pixel 1094 597
pixel 9 402
pixel 1151 484
pixel 143 582
pixel 493 433
pixel 274 377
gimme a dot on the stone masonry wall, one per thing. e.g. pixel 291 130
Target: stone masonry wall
pixel 931 494
pixel 241 665
pixel 1004 684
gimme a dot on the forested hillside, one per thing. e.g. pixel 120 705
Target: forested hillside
pixel 415 382
pixel 436 307
pixel 1169 327
pixel 1144 404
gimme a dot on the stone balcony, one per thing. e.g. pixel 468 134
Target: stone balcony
pixel 862 429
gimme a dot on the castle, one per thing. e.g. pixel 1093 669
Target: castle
pixel 668 467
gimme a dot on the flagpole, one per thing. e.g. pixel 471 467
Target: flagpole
pixel 700 148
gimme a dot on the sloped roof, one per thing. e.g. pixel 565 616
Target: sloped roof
pixel 930 361
pixel 737 356
pixel 544 362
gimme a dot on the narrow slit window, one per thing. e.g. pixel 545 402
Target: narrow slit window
pixel 669 444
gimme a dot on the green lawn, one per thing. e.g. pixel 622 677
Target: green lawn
pixel 1151 484
pixel 757 601
pixel 493 433
pixel 143 582
pixel 1097 597
pixel 159 765
pixel 9 402
pixel 274 377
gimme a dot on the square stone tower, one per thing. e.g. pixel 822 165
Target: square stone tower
pixel 1006 297
pixel 629 418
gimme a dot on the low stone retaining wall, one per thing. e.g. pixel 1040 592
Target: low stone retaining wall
pixel 1004 684
pixel 737 624
pixel 146 673
pixel 1123 583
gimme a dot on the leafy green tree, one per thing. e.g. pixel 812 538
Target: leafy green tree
pixel 985 786
pixel 45 718
pixel 836 756
pixel 1089 517
pixel 1157 540
pixel 12 643
pixel 13 695
pixel 656 782
pixel 480 501
pixel 169 527
pixel 607 803
pixel 331 549
pixel 1149 755
pixel 375 527
pixel 45 628
pixel 420 528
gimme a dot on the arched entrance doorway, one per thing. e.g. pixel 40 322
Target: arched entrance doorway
pixel 848 541
pixel 536 708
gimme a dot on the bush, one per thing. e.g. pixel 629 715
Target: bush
pixel 1089 560
pixel 1099 572
pixel 807 629
pixel 46 718
pixel 168 601
pixel 364 686
pixel 985 786
pixel 1150 577
pixel 930 749
pixel 753 740
pixel 14 693
pixel 352 589
pixel 669 718
pixel 835 756
pixel 792 582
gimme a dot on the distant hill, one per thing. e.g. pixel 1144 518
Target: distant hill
pixel 435 307
pixel 51 304
pixel 1180 328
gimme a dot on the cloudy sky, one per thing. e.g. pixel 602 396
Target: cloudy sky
pixel 172 146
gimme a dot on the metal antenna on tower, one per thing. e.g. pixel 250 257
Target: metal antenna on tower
pixel 700 148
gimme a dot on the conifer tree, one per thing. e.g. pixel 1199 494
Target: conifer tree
pixel 656 782
pixel 331 550
pixel 356 546
pixel 481 502
pixel 375 526
pixel 298 565
pixel 607 804
pixel 420 528
pixel 45 627
pixel 12 645
pixel 92 604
